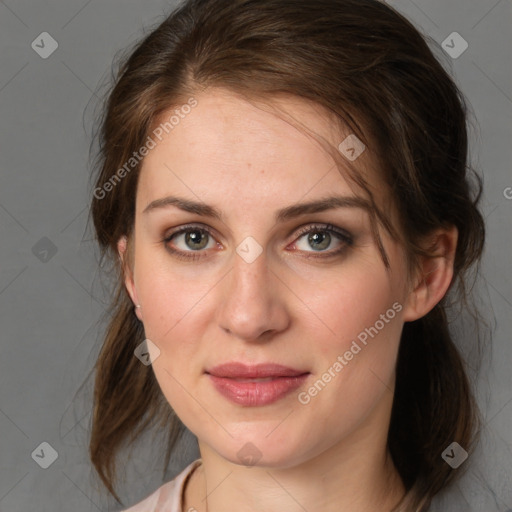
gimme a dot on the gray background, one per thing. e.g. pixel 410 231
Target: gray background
pixel 52 295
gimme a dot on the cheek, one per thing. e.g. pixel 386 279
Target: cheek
pixel 172 316
pixel 355 358
pixel 168 298
pixel 345 305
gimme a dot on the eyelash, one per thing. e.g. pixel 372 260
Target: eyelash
pixel 342 235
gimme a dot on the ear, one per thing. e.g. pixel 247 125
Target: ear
pixel 435 274
pixel 129 282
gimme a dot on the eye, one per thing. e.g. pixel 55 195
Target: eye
pixel 192 239
pixel 321 236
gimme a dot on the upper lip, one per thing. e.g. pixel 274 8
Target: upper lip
pixel 236 370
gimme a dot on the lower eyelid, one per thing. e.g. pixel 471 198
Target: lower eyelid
pixel 345 238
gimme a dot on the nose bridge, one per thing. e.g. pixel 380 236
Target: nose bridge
pixel 250 271
pixel 250 306
pixel 250 274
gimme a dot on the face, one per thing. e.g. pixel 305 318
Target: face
pixel 308 291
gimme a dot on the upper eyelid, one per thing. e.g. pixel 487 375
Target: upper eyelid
pixel 189 227
pixel 300 230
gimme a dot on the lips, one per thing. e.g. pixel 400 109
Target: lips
pixel 258 371
pixel 255 385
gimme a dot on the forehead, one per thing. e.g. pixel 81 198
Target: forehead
pixel 228 148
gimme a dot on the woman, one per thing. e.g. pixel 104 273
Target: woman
pixel 284 188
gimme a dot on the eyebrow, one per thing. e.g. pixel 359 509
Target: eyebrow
pixel 284 214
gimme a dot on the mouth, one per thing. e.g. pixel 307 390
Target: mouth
pixel 237 370
pixel 255 385
pixel 266 379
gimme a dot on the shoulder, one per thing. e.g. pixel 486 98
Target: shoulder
pixel 167 497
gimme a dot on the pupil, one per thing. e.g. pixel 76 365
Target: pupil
pixel 322 238
pixel 195 237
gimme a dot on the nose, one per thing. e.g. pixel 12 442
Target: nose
pixel 252 306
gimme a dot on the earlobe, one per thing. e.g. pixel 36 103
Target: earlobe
pixel 434 276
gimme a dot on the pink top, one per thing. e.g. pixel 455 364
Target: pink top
pixel 169 496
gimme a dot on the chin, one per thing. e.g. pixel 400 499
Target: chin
pixel 260 451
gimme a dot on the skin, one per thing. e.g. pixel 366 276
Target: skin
pixel 329 454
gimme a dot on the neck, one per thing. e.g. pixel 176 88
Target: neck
pixel 319 487
pixel 356 475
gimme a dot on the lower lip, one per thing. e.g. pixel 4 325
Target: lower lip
pixel 257 393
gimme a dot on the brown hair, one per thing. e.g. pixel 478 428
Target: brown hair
pixel 368 66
